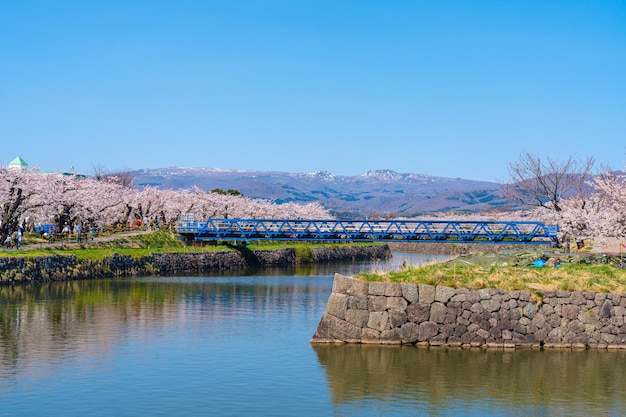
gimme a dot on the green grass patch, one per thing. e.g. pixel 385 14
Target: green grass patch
pixel 144 244
pixel 260 245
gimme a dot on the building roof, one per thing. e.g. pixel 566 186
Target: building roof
pixel 18 162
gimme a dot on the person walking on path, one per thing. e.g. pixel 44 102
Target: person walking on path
pixel 17 237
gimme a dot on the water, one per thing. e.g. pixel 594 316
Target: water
pixel 239 345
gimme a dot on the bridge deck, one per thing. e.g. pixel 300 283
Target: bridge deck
pixel 448 231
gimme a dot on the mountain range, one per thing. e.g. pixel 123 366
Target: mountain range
pixel 374 193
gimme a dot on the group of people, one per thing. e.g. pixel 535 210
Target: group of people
pixel 14 239
pixel 149 223
pixel 78 231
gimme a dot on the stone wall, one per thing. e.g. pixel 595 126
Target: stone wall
pixel 68 267
pixel 393 313
pixel 441 248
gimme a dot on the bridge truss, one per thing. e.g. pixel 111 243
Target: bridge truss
pixel 445 231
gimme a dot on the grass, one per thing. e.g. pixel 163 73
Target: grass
pixel 134 245
pixel 600 278
pixel 143 245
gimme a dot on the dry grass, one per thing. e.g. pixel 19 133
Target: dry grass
pixel 604 278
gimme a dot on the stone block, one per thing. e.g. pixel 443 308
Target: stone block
pixel 539 320
pixel 332 328
pixel 409 332
pixel 438 313
pixel 409 292
pixel 396 303
pixel 438 340
pixel 607 309
pixel 530 310
pixel 476 308
pixel 379 320
pixel 484 294
pixel 426 293
pixel 391 337
pixel 357 303
pixel 418 313
pixel 575 326
pixel 443 293
pixel 495 333
pixel 459 298
pixel 451 317
pixel 337 305
pixel 377 303
pixel 459 330
pixel 397 318
pixel 577 298
pixel 393 289
pixel 555 336
pixel 370 335
pixel 350 286
pixel 377 288
pixel 357 317
pixel 427 330
pixel 482 333
pixel 491 305
pixel 447 330
pixel 569 311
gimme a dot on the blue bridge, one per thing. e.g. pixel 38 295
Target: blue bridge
pixel 444 231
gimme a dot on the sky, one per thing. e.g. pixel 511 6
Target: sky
pixel 444 88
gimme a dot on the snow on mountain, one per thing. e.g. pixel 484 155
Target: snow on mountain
pixel 378 192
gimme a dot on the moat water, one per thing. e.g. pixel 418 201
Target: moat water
pixel 238 345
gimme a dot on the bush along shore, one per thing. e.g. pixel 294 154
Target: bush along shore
pixel 82 263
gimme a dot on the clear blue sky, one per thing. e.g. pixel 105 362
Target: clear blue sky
pixel 446 88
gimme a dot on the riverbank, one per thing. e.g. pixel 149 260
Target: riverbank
pixel 72 266
pixel 428 315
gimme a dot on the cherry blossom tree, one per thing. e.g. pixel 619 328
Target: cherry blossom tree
pixel 534 182
pixel 19 192
pixel 102 200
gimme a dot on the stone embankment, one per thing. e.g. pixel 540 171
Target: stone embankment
pixel 440 248
pixel 417 314
pixel 68 267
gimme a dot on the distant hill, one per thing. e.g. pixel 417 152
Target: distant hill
pixel 374 193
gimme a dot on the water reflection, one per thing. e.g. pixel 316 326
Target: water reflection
pixel 344 268
pixel 516 382
pixel 183 345
pixel 46 324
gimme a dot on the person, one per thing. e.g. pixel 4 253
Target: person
pixel 18 237
pixel 77 231
pixel 7 241
pixel 66 228
pixel 92 232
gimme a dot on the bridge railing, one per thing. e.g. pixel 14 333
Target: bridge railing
pixel 466 231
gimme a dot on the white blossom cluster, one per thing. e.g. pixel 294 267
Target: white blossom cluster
pixel 34 197
pixel 598 215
